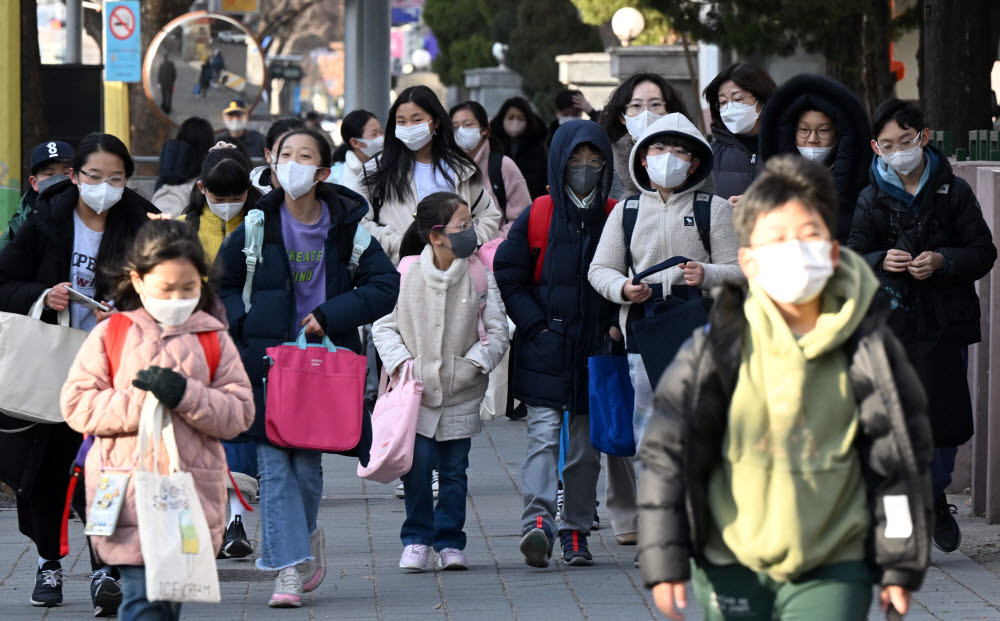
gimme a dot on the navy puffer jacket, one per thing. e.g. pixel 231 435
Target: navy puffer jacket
pixel 271 320
pixel 561 321
pixel 736 166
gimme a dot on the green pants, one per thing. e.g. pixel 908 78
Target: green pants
pixel 838 592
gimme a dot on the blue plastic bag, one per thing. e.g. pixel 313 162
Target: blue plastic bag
pixel 612 400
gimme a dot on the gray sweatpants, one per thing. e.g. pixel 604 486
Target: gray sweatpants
pixel 540 472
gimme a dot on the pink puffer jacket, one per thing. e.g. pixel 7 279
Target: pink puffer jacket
pixel 222 408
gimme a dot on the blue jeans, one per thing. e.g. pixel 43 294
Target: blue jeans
pixel 291 486
pixel 242 457
pixel 440 526
pixel 135 606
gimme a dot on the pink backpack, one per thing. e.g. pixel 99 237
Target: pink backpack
pixel 478 274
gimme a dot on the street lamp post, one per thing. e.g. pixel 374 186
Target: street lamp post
pixel 627 24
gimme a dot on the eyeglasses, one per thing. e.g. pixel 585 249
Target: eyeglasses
pixel 655 106
pixel 98 179
pixel 657 148
pixel 576 165
pixel 739 98
pixel 824 133
pixel 904 145
pixel 463 227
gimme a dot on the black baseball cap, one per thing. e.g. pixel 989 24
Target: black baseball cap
pixel 53 150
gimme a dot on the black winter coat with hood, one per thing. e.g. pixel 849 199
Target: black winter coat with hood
pixel 682 445
pixel 736 164
pixel 35 260
pixel 350 302
pixel 849 160
pixel 561 321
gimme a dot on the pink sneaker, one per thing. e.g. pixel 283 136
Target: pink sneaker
pixel 415 557
pixel 287 589
pixel 451 558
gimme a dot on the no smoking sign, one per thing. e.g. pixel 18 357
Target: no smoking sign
pixel 121 22
pixel 123 44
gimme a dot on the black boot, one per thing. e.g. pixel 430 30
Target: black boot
pixel 947 535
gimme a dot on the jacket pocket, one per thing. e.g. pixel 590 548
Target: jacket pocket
pixel 466 377
pixel 544 352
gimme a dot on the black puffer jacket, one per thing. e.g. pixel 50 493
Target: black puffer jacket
pixel 682 445
pixel 852 155
pixel 561 320
pixel 736 166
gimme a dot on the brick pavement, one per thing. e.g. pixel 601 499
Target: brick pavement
pixel 362 523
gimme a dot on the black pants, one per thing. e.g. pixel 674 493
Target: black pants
pixel 166 97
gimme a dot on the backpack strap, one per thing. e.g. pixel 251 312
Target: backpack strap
pixel 376 202
pixel 253 247
pixel 495 171
pixel 477 271
pixel 609 206
pixel 630 215
pixel 362 239
pixel 114 341
pixel 405 264
pixel 539 219
pixel 703 219
pixel 213 351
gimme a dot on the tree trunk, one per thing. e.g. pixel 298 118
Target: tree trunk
pixel 148 129
pixel 959 47
pixel 844 53
pixel 34 128
pixel 879 84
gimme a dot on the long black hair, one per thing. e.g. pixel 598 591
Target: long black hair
pixel 97 142
pixel 534 131
pixel 393 177
pixel 611 115
pixel 436 210
pixel 225 172
pixel 158 241
pixel 479 112
pixel 198 133
pixel 353 126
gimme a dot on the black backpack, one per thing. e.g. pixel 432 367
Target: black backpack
pixel 495 171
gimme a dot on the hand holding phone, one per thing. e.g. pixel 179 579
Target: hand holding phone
pixel 87 302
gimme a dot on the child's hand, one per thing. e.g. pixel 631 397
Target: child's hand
pixel 694 273
pixel 734 200
pixel 896 260
pixel 636 293
pixel 897 596
pixel 670 598
pixel 312 325
pixel 166 385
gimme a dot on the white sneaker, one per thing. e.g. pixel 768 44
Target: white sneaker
pixel 314 571
pixel 434 483
pixel 415 557
pixel 452 559
pixel 399 491
pixel 287 589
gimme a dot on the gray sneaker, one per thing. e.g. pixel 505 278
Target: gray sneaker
pixel 314 571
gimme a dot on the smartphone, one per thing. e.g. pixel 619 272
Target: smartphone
pixel 83 300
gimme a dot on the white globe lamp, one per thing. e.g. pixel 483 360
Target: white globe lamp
pixel 627 24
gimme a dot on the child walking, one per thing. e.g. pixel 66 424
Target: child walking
pixel 162 295
pixel 436 325
pixel 789 452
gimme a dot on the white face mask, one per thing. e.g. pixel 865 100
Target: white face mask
pixel 637 124
pixel 372 147
pixel 667 170
pixel 296 179
pixel 169 312
pixel 794 272
pixel 467 138
pixel 414 136
pixel 816 154
pixel 904 162
pixel 515 128
pixel 100 197
pixel 225 211
pixel 739 118
pixel 236 125
pixel 566 119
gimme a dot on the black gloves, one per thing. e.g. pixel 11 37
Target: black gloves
pixel 166 385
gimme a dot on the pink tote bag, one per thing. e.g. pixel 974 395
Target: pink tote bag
pixel 394 427
pixel 315 396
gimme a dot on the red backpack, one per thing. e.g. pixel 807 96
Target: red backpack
pixel 114 343
pixel 538 228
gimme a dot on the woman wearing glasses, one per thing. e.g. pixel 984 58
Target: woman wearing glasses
pixel 637 103
pixel 737 96
pixel 821 120
pixel 78 232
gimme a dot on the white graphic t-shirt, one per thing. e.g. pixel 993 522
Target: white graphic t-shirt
pixel 428 180
pixel 82 269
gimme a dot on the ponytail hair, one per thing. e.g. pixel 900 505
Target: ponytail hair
pixel 436 210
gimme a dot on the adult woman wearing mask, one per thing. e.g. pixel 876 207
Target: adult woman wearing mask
pixel 262 177
pixel 823 121
pixel 737 96
pixel 521 135
pixel 508 190
pixel 78 232
pixel 180 163
pixel 420 157
pixel 363 137
pixel 637 103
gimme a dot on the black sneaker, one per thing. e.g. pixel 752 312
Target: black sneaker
pixel 236 544
pixel 596 523
pixel 48 585
pixel 105 594
pixel 575 550
pixel 536 545
pixel 947 535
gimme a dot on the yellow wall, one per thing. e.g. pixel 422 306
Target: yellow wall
pixel 10 109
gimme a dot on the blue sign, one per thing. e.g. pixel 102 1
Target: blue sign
pixel 122 43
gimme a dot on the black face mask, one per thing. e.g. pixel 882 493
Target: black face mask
pixel 583 179
pixel 463 244
pixel 51 181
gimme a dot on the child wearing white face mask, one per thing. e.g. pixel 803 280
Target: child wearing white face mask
pixel 420 157
pixel 797 391
pixel 162 331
